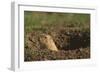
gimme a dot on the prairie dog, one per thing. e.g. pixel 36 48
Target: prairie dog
pixel 48 42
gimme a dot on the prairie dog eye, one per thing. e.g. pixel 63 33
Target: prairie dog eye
pixel 45 37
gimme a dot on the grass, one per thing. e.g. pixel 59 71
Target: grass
pixel 46 20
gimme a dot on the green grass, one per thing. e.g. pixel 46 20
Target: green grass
pixel 38 20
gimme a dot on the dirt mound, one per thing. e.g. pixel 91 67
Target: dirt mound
pixel 43 55
pixel 71 39
pixel 72 44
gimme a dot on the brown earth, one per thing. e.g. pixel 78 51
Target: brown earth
pixel 72 44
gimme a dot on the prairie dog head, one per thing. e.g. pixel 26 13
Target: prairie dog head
pixel 44 38
pixel 48 42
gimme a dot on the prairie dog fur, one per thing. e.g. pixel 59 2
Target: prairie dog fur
pixel 48 42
